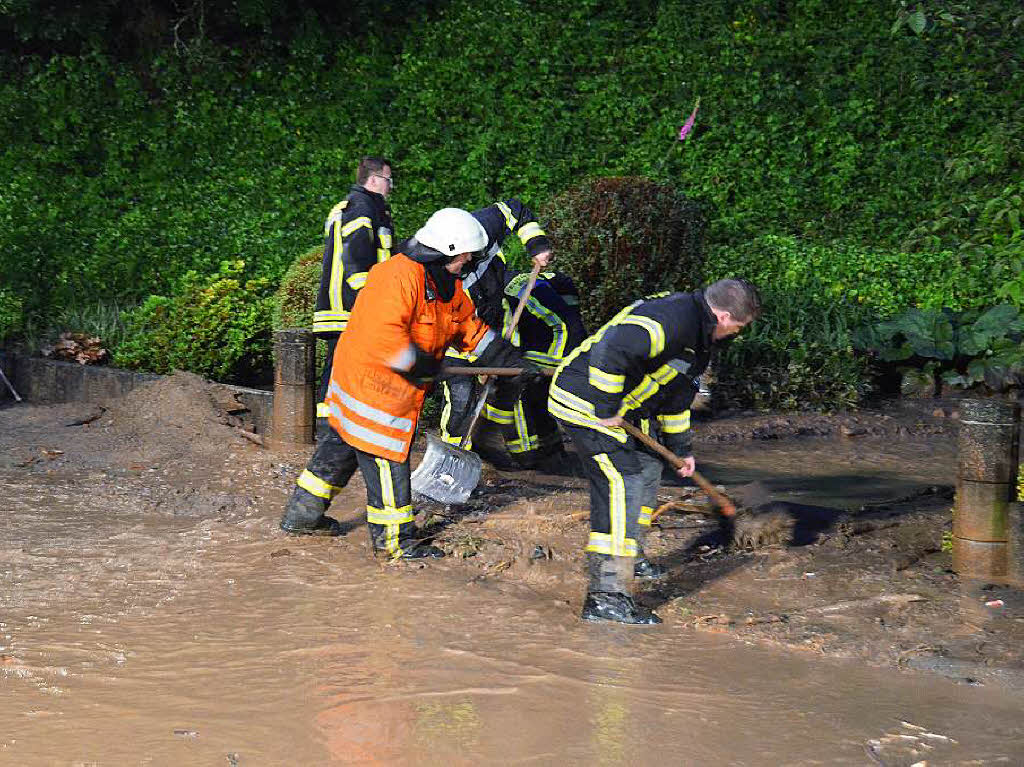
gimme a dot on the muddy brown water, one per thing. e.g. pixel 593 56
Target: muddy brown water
pixel 141 627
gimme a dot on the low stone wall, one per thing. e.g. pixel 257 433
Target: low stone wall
pixel 41 380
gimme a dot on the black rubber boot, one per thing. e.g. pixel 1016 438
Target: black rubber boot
pixel 304 515
pixel 618 607
pixel 608 592
pixel 403 543
pixel 645 568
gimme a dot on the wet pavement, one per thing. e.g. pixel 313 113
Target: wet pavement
pixel 154 615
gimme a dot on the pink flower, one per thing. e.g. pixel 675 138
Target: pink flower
pixel 688 125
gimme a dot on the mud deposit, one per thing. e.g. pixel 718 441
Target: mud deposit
pixel 152 613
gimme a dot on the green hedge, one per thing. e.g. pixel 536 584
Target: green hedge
pixel 878 278
pixel 895 131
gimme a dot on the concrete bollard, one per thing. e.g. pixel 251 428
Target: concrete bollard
pixel 986 485
pixel 293 420
pixel 1015 543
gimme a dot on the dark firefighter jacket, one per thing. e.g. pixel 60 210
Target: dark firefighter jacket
pixel 550 326
pixel 357 235
pixel 642 365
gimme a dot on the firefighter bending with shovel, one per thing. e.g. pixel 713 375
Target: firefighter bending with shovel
pixel 640 369
pixel 408 313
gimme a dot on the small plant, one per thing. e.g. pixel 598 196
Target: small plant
pixel 947 541
pixel 217 326
pixel 964 349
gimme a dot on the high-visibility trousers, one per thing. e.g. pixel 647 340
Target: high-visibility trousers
pixel 623 483
pixel 388 486
pixel 520 412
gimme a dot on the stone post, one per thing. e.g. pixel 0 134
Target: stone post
pixel 293 420
pixel 986 484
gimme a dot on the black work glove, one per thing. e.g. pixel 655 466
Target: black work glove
pixel 492 313
pixel 531 374
pixel 424 369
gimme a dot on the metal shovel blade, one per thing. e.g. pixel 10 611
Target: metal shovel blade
pixel 447 474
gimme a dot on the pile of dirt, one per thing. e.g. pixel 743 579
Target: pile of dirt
pixel 181 408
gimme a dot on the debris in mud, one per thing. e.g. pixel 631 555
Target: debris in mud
pixel 96 414
pixel 182 733
pixel 78 347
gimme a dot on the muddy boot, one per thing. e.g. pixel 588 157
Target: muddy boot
pixel 608 592
pixel 645 568
pixel 304 515
pixel 402 541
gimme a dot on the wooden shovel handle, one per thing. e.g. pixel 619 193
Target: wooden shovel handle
pixel 488 385
pixel 469 370
pixel 725 506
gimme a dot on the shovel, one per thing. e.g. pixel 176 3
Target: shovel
pixel 448 474
pixel 725 507
pixel 764 521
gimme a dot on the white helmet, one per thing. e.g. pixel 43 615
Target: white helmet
pixel 453 231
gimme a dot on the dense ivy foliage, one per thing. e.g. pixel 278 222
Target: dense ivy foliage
pixel 876 146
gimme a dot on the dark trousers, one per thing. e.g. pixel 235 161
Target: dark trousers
pixel 388 488
pixel 520 412
pixel 624 483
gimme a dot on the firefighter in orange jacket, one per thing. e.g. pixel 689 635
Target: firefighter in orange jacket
pixel 410 310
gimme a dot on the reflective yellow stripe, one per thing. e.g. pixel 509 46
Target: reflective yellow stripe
pixel 645 515
pixel 322 410
pixel 653 328
pixel 525 441
pixel 330 327
pixel 334 216
pixel 389 515
pixel 497 415
pixel 356 281
pixel 612 383
pixel 356 223
pixel 602 543
pixel 616 505
pixel 337 271
pixel 506 211
pixel 313 485
pixel 572 415
pixel 528 231
pixel 387 488
pixel 330 315
pixel 675 424
pixel 383 254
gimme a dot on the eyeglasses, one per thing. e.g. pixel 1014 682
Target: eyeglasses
pixel 391 181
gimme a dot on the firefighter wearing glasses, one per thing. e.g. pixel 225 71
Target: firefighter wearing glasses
pixel 357 235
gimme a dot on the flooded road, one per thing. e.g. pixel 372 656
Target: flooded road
pixel 142 627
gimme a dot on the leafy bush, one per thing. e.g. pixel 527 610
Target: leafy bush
pixel 624 238
pixel 295 297
pixel 797 356
pixel 10 313
pixel 965 348
pixel 218 327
